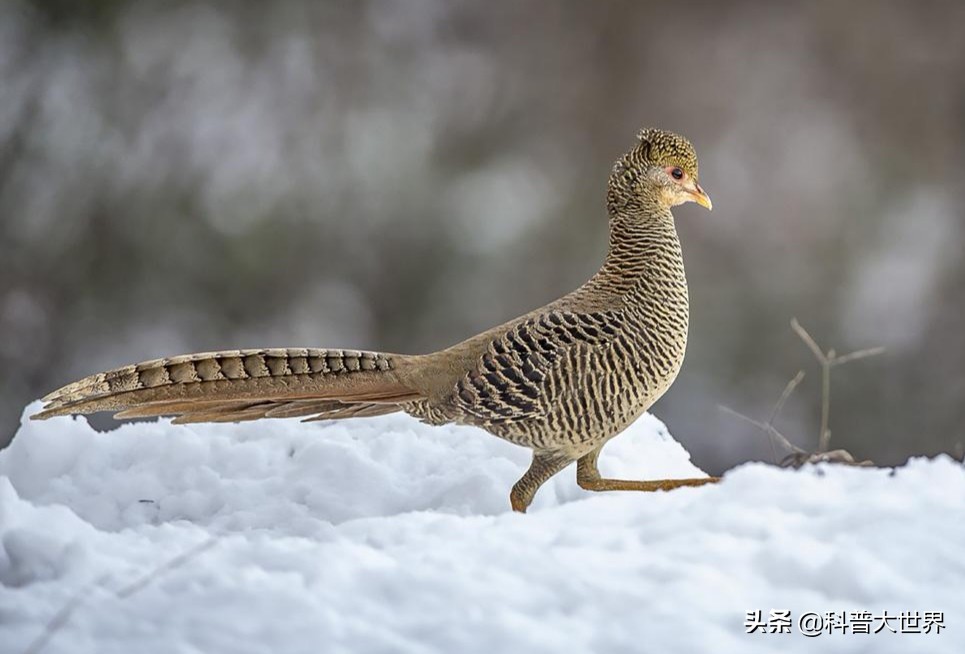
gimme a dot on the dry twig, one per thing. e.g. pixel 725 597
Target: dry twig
pixel 61 617
pixel 828 360
pixel 768 426
pixel 176 562
pixel 57 622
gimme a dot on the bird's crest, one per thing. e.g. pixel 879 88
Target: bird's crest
pixel 663 148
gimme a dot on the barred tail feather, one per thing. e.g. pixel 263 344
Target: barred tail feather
pixel 242 385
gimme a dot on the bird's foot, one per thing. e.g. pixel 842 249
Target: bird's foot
pixel 602 484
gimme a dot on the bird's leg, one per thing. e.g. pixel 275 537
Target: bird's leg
pixel 589 478
pixel 544 466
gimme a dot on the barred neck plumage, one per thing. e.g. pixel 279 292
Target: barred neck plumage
pixel 644 251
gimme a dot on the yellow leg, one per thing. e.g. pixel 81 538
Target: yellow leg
pixel 588 477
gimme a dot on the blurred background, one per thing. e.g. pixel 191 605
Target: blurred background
pixel 181 176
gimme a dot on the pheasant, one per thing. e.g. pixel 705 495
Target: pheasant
pixel 561 380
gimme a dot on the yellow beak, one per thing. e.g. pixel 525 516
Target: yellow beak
pixel 701 198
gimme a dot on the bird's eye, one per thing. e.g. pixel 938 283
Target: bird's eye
pixel 677 173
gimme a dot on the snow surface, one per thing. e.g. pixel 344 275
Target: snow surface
pixel 384 535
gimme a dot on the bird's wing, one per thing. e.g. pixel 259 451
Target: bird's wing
pixel 517 377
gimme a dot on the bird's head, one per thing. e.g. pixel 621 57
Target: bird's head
pixel 661 168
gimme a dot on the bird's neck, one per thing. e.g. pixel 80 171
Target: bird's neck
pixel 643 248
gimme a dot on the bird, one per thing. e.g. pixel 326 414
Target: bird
pixel 561 380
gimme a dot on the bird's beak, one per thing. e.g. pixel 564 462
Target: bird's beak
pixel 701 198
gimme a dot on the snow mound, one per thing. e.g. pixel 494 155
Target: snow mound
pixel 384 535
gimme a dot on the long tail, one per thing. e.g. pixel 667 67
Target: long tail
pixel 241 385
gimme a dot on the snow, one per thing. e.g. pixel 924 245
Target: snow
pixel 384 535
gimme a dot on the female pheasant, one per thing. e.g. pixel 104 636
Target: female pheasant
pixel 561 380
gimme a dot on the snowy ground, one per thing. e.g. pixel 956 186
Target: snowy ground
pixel 383 535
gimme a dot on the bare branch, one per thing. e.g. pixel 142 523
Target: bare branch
pixel 824 434
pixel 767 428
pixel 791 385
pixel 776 411
pixel 741 416
pixel 176 562
pixel 854 356
pixel 61 617
pixel 810 342
pixel 824 437
pixel 827 361
pixel 782 439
